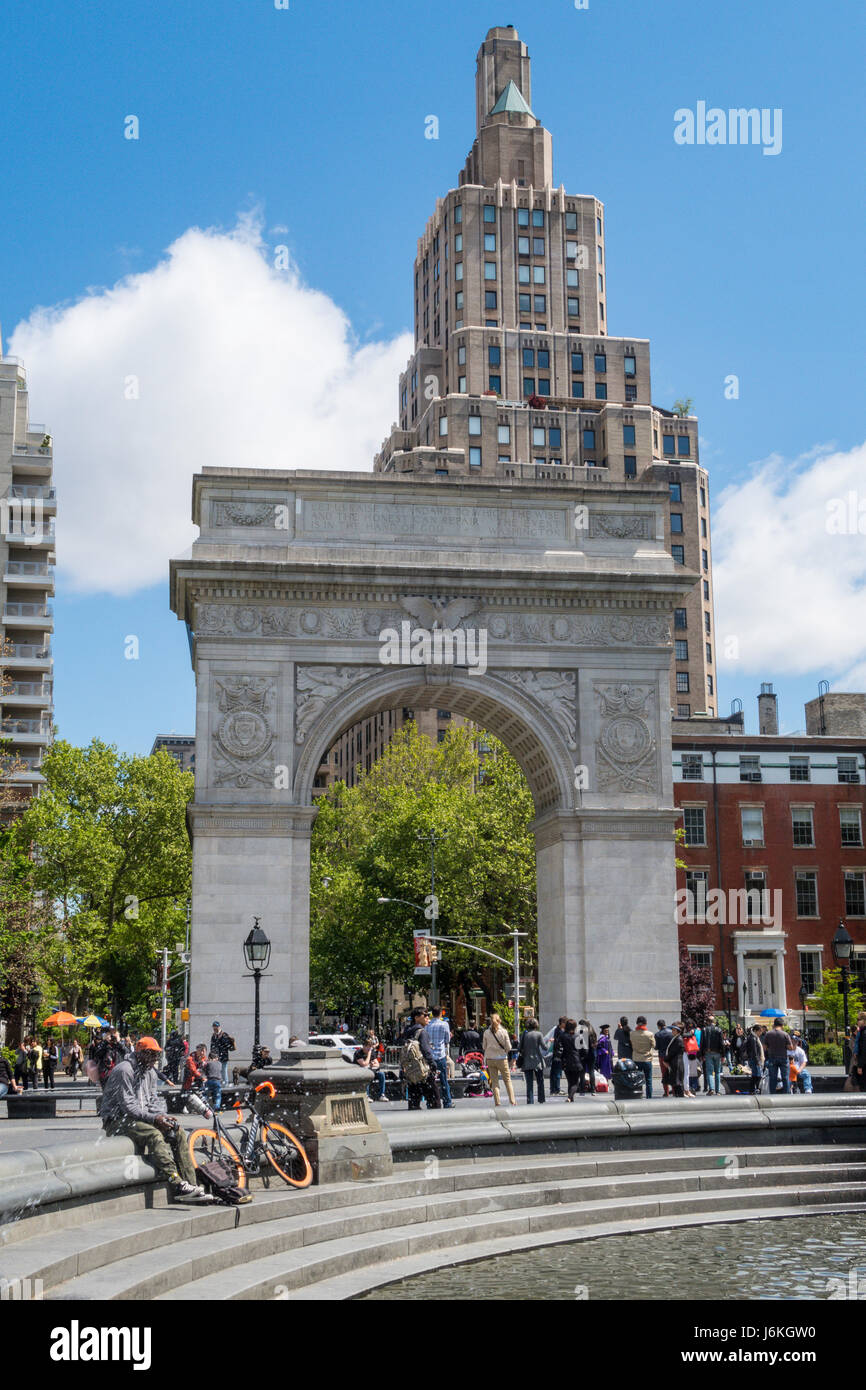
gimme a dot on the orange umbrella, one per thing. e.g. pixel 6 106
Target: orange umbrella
pixel 60 1020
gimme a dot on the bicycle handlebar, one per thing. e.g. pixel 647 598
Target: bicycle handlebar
pixel 267 1086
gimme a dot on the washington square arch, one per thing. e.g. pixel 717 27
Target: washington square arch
pixel 287 593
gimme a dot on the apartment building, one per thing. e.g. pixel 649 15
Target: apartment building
pixel 28 502
pixel 515 373
pixel 774 849
pixel 360 746
pixel 181 747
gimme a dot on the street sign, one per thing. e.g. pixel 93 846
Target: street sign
pixel 477 993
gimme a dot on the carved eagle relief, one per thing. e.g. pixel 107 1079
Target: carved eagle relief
pixel 438 612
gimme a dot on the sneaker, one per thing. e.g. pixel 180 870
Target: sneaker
pixel 191 1192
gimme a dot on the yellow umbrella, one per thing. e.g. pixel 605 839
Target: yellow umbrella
pixel 91 1021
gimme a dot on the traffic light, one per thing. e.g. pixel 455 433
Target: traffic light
pixel 434 953
pixel 154 1014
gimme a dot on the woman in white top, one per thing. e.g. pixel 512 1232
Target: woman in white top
pixel 497 1047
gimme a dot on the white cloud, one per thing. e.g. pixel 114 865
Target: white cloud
pixel 237 364
pixel 789 553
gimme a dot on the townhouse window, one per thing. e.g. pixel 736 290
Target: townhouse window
pixel 850 826
pixel 494 383
pixel 490 299
pixel 443 426
pixel 537 217
pixel 846 770
pixel 803 826
pixel 806 885
pixel 752 826
pixel 681 649
pixel 683 711
pixel 695 825
pixel 523 217
pixel 678 553
pixel 589 439
pixel 629 365
pixel 683 682
pixel 702 960
pixel 523 246
pixel 676 523
pixel 757 904
pixel 630 392
pixel 474 424
pixel 504 434
pixel 750 768
pixel 810 970
pixel 684 446
pixel 577 390
pixel 555 437
pixel 601 390
pixel 474 456
pixel 461 355
pixel 571 221
pixel 693 767
pixel 628 434
pixel 523 275
pixel 572 280
pixel 489 241
pixel 601 362
pixel 630 461
pixel 489 212
pixel 697 882
pixel 676 492
pixel 668 445
pixel 798 769
pixel 855 893
pixel 544 358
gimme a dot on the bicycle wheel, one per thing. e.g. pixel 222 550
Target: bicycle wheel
pixel 205 1146
pixel 286 1154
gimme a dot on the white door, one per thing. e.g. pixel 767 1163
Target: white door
pixel 760 985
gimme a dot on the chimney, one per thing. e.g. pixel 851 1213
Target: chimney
pixel 768 711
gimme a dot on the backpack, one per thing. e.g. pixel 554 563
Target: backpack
pixel 581 1038
pixel 219 1178
pixel 415 1068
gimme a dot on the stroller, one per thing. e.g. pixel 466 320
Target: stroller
pixel 475 1074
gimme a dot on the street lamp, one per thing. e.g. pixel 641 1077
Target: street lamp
pixel 257 954
pixel 34 999
pixel 843 943
pixel 729 986
pixel 745 990
pixel 804 995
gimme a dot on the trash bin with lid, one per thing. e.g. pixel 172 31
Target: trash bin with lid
pixel 628 1080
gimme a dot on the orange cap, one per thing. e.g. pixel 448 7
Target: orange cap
pixel 147 1045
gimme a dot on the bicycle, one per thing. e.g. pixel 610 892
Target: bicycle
pixel 263 1145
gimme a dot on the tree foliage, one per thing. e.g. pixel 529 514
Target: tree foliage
pixel 697 996
pixel 114 862
pixel 372 840
pixel 828 1000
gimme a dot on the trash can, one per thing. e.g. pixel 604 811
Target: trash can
pixel 628 1080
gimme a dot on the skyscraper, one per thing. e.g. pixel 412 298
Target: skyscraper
pixel 515 374
pixel 28 506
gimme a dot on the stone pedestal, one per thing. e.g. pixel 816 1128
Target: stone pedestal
pixel 323 1100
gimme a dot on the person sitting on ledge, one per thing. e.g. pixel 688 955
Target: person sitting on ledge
pixel 132 1106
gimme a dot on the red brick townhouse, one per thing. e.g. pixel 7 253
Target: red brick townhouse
pixel 774 848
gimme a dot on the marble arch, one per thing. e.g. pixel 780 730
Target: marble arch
pixel 286 592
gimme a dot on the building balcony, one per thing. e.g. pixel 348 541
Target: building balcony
pixel 28 694
pixel 33 492
pixel 31 461
pixel 31 574
pixel 28 656
pixel 26 732
pixel 38 615
pixel 42 536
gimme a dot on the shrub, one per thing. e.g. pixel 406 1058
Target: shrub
pixel 9 1054
pixel 825 1055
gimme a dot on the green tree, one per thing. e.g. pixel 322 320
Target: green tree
pixel 114 860
pixel 371 841
pixel 26 926
pixel 697 995
pixel 683 407
pixel 829 1001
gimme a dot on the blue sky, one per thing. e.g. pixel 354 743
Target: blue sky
pixel 730 261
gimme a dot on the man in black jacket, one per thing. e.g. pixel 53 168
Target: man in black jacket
pixel 222 1044
pixel 754 1054
pixel 677 1060
pixel 426 1089
pixel 622 1038
pixel 712 1046
pixel 662 1038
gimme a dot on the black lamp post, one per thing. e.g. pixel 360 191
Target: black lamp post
pixel 744 1005
pixel 804 995
pixel 257 954
pixel 729 986
pixel 34 999
pixel 842 946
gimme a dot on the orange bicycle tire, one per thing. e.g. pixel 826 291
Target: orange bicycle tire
pixel 307 1176
pixel 227 1150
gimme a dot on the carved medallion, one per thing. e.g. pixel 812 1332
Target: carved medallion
pixel 626 751
pixel 242 743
